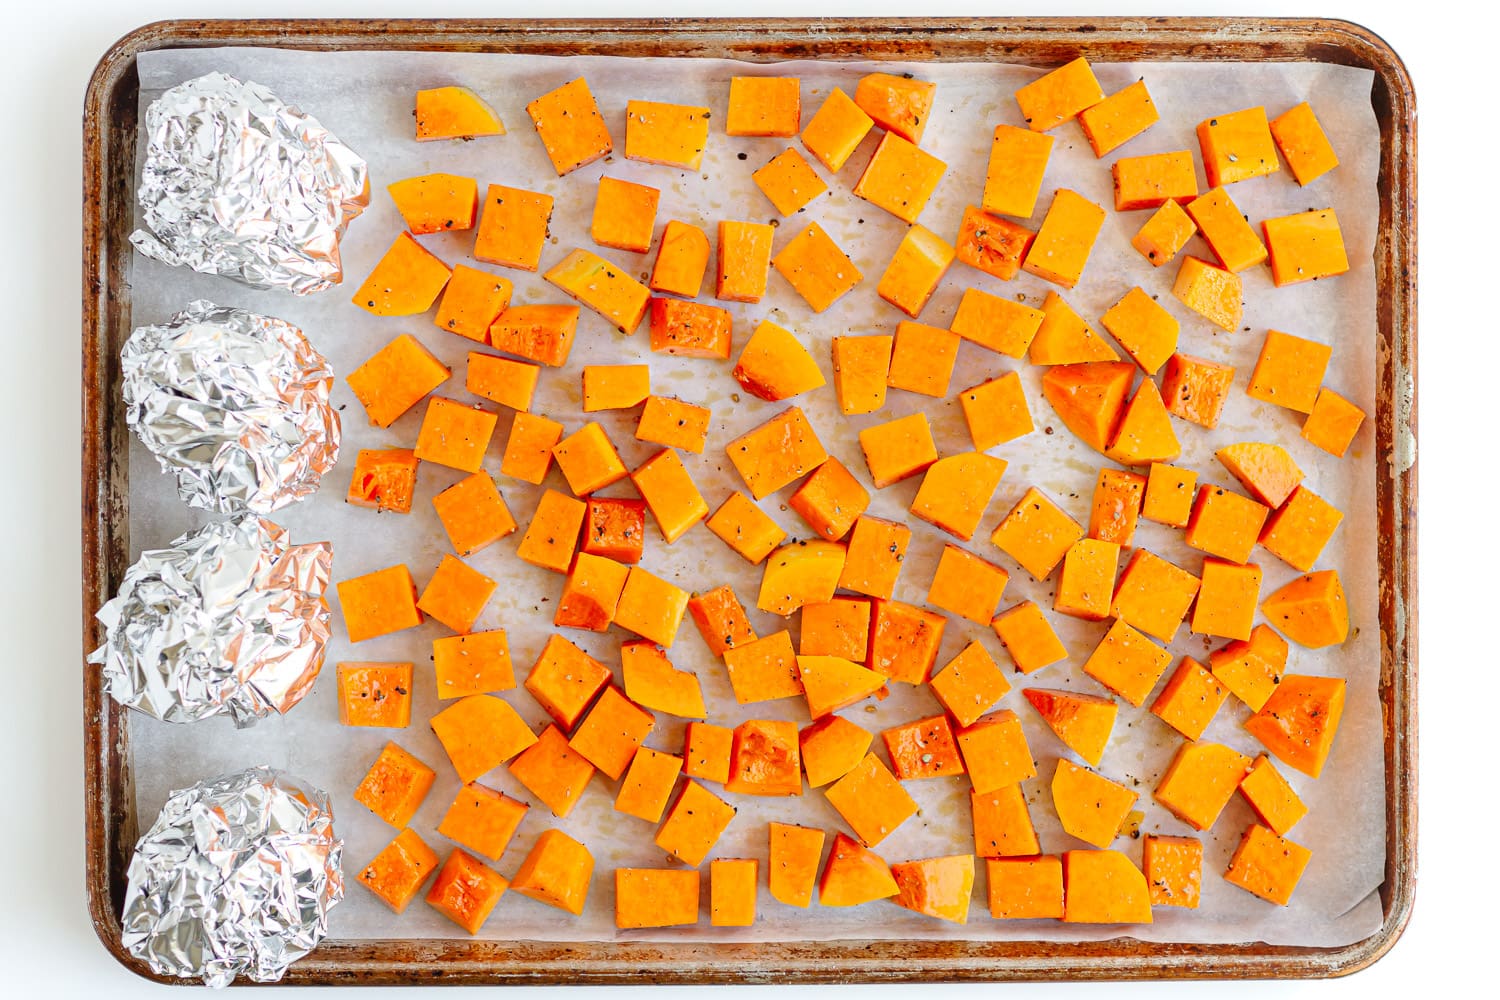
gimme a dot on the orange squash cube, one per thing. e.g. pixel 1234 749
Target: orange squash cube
pixel 1057 97
pixel 624 213
pixel 1300 529
pixel 970 684
pixel 995 752
pixel 861 366
pixel 1028 637
pixel 763 669
pixel 1154 595
pixel 608 736
pixel 816 268
pixel 614 528
pixel 744 261
pixel 921 259
pixel 1266 470
pixel 1146 330
pixel 1001 325
pixel 898 104
pixel 1200 781
pixel 872 560
pixel 1226 230
pixel 466 890
pixel 472 300
pixel 540 333
pixel 1251 669
pixel 1275 802
pixel 1085 587
pixel 477 663
pixel 1332 423
pixel 615 387
pixel 922 359
pixel 556 871
pixel 829 500
pixel 1174 870
pixel 1152 181
pixel 900 177
pixel 936 887
pixel 1002 823
pixel 789 182
pixel 1090 398
pixel 681 260
pixel 1116 505
pixel 395 785
pixel 603 286
pixel 1164 234
pixel 552 536
pixel 690 329
pixel 671 422
pixel 501 380
pixel 673 135
pixel 1289 371
pixel 923 749
pixel 898 448
pixel 513 228
pixel 721 619
pixel 651 607
pixel 840 627
pixel 572 130
pixel 1190 699
pixel 668 490
pixel 456 594
pixel 1017 164
pixel 781 450
pixel 483 820
pixel 1224 524
pixel 396 378
pixel 379 603
pixel 652 682
pixel 1169 494
pixel 396 874
pixel 1089 806
pixel 384 479
pixel 1127 663
pixel 1082 721
pixel 836 130
pixel 871 800
pixel 792 864
pixel 996 411
pixel 1028 888
pixel 774 365
pixel 473 513
pixel 436 203
pixel 1104 887
pixel 764 105
pixel 591 593
pixel 1118 118
pixel 966 585
pixel 406 281
pixel 1212 292
pixel 454 434
pixel 765 759
pixel 1195 389
pixel 655 897
pixel 588 460
pixel 732 890
pixel 1227 599
pixel 1303 143
pixel 552 771
pixel 454 113
pixel 798 573
pixel 745 528
pixel 1065 338
pixel 648 784
pixel 1267 865
pixel 479 733
pixel 375 694
pixel 1237 147
pixel 831 747
pixel 834 682
pixel 991 244
pixel 705 751
pixel 1036 533
pixel 904 641
pixel 1062 245
pixel 1311 610
pixel 694 824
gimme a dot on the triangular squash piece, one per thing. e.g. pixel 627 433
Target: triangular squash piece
pixel 1082 721
pixel 1266 470
pixel 898 104
pixel 1311 610
pixel 854 875
pixel 1066 339
pixel 831 748
pixel 1300 720
pixel 1145 434
pixel 454 113
pixel 774 365
pixel 1089 398
pixel 938 887
pixel 652 682
pixel 832 682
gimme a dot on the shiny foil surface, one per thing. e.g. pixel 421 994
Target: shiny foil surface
pixel 238 183
pixel 230 618
pixel 233 402
pixel 235 877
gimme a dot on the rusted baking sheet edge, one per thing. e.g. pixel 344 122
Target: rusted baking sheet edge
pixel 109 150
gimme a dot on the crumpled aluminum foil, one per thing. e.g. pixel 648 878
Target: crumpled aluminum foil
pixel 235 877
pixel 235 403
pixel 236 182
pixel 230 618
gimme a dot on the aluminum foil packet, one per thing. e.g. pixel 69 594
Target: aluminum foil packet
pixel 235 403
pixel 230 618
pixel 239 183
pixel 235 877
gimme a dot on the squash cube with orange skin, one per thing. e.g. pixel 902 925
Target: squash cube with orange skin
pixel 970 684
pixel 922 359
pixel 798 573
pixel 690 329
pixel 781 450
pixel 673 423
pixel 871 800
pixel 1063 244
pixel 763 669
pixel 705 751
pixel 1224 524
pixel 556 871
pixel 405 282
pixel 1299 721
pixel 651 607
pixel 483 820
pixel 861 368
pixel 744 261
pixel 384 479
pixel 479 733
pixel 921 259
pixel 924 748
pixel 765 759
pixel 669 492
pixel 396 874
pixel 792 863
pixel 900 177
pixel 1127 663
pixel 502 380
pixel 540 333
pixel 1036 533
pixel 996 411
pixel 745 528
pixel 1089 806
pixel 652 682
pixel 788 181
pixel 854 875
pixel 456 594
pixel 395 785
pixel 552 536
pixel 375 694
pixel 1002 823
pixel 1299 530
pixel 1196 389
pixel 1082 721
pixel 904 641
pixel 615 387
pixel 673 135
pixel 840 627
pixel 454 113
pixel 1104 887
pixel 565 679
pixel 572 130
pixel 1090 398
pixel 1017 164
pixel 1065 338
pixel 1226 601
pixel 1116 505
pixel 1275 803
pixel 1200 781
pixel 721 619
pixel 513 228
pixel 1267 865
pixel 1118 118
pixel 1162 236
pixel 1251 669
pixel 454 434
pixel 681 260
pixel 1226 230
pixel 1212 292
pixel 466 890
pixel 379 603
pixel 1190 698
pixel 1146 330
pixel 476 663
pixel 1001 325
pixel 774 365
pixel 1289 371
pixel 1152 181
pixel 1154 595
pixel 1174 870
pixel 603 286
pixel 610 733
pixel 1311 610
pixel 1057 97
pixel 991 244
pixel 1237 147
pixel 830 748
pixel 591 593
pixel 835 130
pixel 1028 637
pixel 995 751
pixel 553 771
pixel 396 378
pixel 816 268
pixel 436 203
pixel 872 560
pixel 1303 143
pixel 473 513
pixel 732 890
pixel 1332 423
pixel 937 887
pixel 899 104
pixel 1085 587
pixel 694 824
pixel 764 105
pixel 956 491
pixel 898 448
pixel 614 528
pixel 471 302
pixel 648 784
pixel 1025 888
pixel 966 585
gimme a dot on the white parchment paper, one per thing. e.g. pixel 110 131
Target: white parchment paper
pixel 366 98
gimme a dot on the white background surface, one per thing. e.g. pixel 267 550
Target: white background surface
pixel 46 943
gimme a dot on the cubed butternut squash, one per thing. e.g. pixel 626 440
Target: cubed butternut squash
pixel 572 130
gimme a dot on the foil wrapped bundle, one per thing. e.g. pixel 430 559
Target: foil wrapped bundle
pixel 235 403
pixel 235 877
pixel 231 618
pixel 236 182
